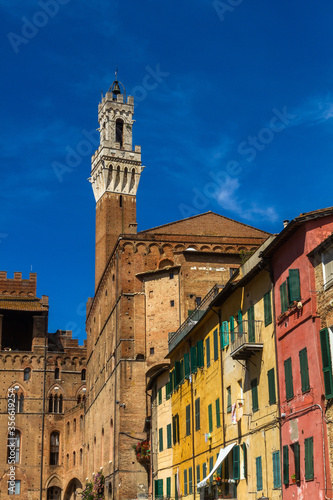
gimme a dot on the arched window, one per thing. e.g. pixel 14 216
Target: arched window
pixel 78 399
pixel 119 131
pixel 81 422
pixel 74 425
pixel 68 428
pixel 55 404
pixel 67 459
pixel 51 404
pixel 57 374
pixel 83 374
pixel 13 448
pixel 27 374
pixel 74 457
pixel 54 448
pixel 81 456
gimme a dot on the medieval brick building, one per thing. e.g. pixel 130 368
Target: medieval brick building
pixel 44 374
pixel 146 283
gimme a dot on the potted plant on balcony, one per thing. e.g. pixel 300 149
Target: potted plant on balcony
pixel 293 478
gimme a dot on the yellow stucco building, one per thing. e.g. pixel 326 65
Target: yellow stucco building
pixel 226 437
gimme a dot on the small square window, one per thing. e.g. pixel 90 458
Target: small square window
pixel 151 350
pixel 172 303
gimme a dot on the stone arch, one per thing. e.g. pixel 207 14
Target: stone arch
pixel 230 249
pixel 165 263
pixel 192 247
pixel 53 480
pixel 72 489
pixel 179 248
pixel 51 389
pixel 217 249
pixel 168 250
pixel 205 248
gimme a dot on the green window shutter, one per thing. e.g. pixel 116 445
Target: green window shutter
pixel 271 386
pixel 294 290
pixel 185 482
pixel 229 399
pixel 297 458
pixel 190 481
pixel 226 468
pixel 254 391
pixel 207 352
pixel 276 470
pixel 167 390
pixel 159 396
pixel 235 462
pixel 171 379
pixel 244 460
pixel 211 465
pixel 168 487
pixel 204 470
pixel 158 488
pixel 188 420
pixel 160 439
pixel 169 439
pixel 327 365
pixel 232 328
pixel 218 414
pixel 200 354
pixel 216 345
pixel 187 365
pixel 219 469
pixel 240 321
pixel 286 464
pixel 251 324
pixel 193 353
pixel 309 472
pixel 198 474
pixel 284 297
pixel 221 338
pixel 210 418
pixel 182 371
pixel 197 413
pixel 175 428
pixel 267 308
pixel 288 374
pixel 225 333
pixel 303 363
pixel 177 374
pixel 259 473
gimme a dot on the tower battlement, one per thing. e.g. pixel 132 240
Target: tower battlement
pixel 17 285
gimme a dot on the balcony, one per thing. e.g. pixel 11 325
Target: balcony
pixel 246 340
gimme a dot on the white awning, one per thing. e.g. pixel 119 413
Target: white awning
pixel 221 456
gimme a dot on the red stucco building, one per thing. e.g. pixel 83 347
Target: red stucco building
pixel 304 445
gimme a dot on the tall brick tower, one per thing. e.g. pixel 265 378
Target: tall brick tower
pixel 115 174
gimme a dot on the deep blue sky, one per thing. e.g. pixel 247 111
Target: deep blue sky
pixel 226 73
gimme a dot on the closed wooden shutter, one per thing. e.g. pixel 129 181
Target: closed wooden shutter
pixel 210 418
pixel 160 439
pixel 303 363
pixel 271 386
pixel 276 470
pixel 168 487
pixel 327 365
pixel 244 460
pixel 200 354
pixel 158 488
pixel 185 482
pixel 193 352
pixel 218 414
pixel 267 308
pixel 216 345
pixel 286 464
pixel 284 297
pixel 288 379
pixel 207 352
pixel 297 458
pixel 254 390
pixel 187 365
pixel 294 289
pixel 229 399
pixel 198 474
pixel 309 473
pixel 197 414
pixel 259 473
pixel 232 328
pixel 169 442
pixel 190 480
pixel 188 420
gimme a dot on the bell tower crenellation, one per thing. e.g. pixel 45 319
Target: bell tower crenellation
pixel 115 173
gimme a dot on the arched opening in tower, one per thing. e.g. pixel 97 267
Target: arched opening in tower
pixel 119 131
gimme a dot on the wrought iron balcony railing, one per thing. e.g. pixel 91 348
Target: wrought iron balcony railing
pixel 246 339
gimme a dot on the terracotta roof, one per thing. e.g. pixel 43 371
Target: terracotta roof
pixel 22 303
